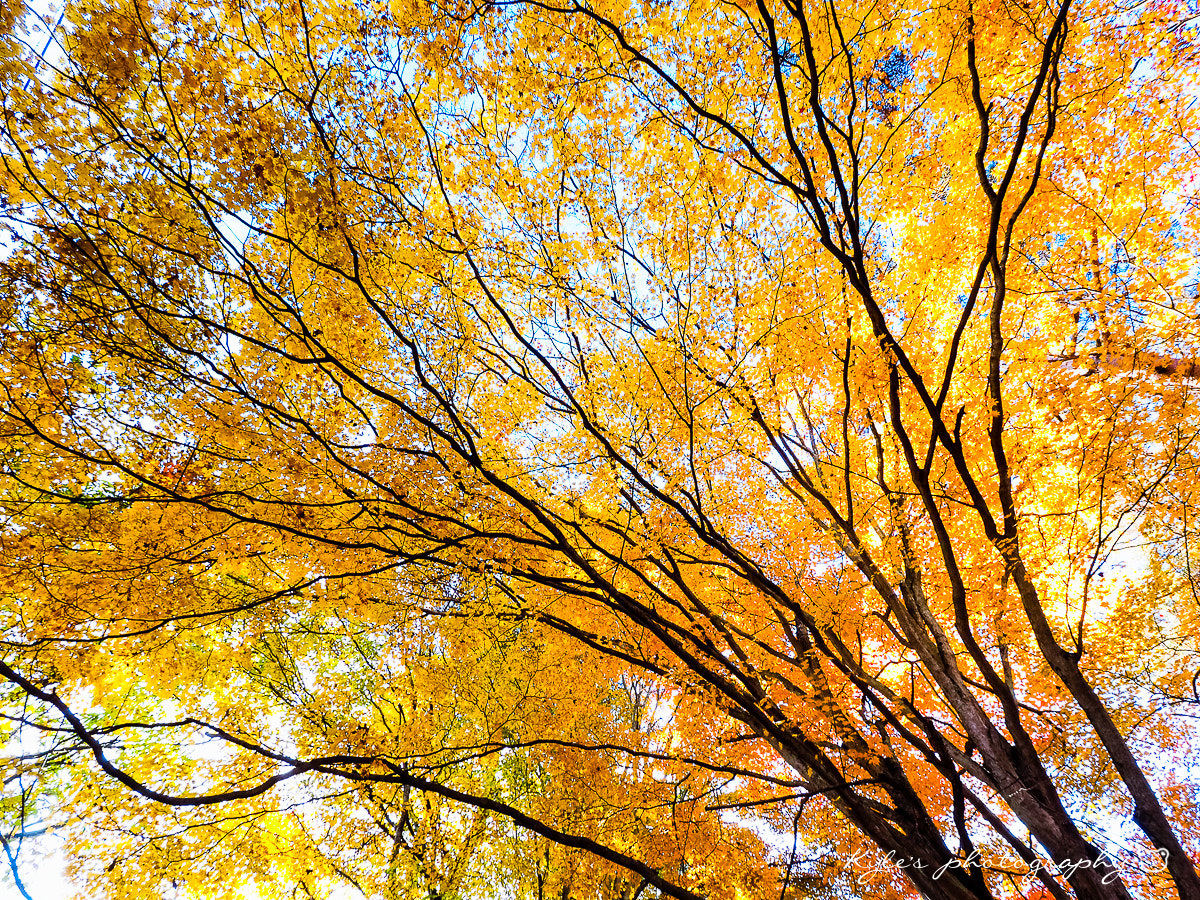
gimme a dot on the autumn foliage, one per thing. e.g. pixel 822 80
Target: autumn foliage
pixel 601 449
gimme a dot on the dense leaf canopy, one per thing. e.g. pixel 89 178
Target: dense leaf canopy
pixel 601 449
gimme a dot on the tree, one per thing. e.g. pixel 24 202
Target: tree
pixel 603 449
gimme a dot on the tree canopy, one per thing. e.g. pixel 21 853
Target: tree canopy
pixel 601 449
